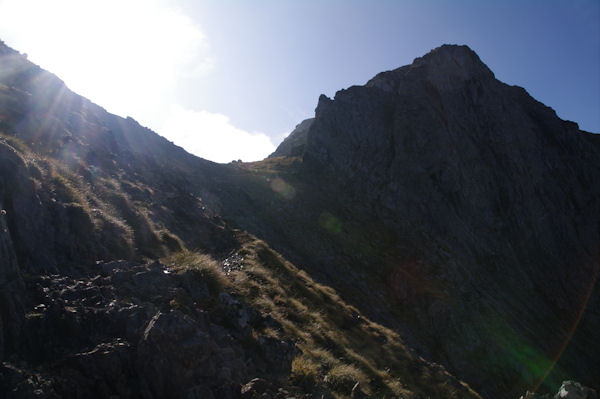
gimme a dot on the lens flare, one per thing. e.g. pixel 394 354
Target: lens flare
pixel 572 332
pixel 282 188
pixel 330 222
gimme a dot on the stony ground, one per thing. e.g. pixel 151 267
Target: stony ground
pixel 139 330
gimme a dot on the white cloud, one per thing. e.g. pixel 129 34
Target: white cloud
pixel 212 136
pixel 129 57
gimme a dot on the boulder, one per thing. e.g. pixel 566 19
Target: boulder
pixel 574 390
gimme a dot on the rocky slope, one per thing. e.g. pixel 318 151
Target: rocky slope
pixel 434 208
pixel 119 277
pixel 293 145
pixel 118 332
pixel 456 209
pixel 507 192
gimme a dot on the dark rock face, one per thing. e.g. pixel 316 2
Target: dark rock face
pixel 294 144
pixel 505 197
pixel 119 332
pixel 574 390
pixel 11 281
pixel 568 390
pixel 43 232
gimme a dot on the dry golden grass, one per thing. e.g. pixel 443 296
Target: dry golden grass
pixel 125 227
pixel 271 165
pixel 14 142
pixel 343 377
pixel 339 345
pixel 203 265
pixel 305 373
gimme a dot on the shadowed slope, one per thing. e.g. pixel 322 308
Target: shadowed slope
pixel 80 189
pixel 437 201
pixel 456 209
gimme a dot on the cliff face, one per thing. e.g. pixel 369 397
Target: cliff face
pixel 506 197
pixel 293 144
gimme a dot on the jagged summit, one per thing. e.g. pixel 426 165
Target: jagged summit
pixel 491 175
pixel 294 143
pixel 4 49
pixel 460 55
pixel 445 67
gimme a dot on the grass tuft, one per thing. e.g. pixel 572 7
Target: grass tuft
pixel 201 266
pixel 343 377
pixel 305 373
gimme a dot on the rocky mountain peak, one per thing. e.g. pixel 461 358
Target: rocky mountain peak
pixel 441 143
pixel 294 143
pixel 459 56
pixel 4 49
pixel 446 67
pixel 435 214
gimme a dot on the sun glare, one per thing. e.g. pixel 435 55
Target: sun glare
pixel 130 57
pixel 139 49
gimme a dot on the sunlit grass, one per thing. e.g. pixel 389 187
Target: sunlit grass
pixel 202 265
pixel 339 346
pixel 124 225
pixel 14 142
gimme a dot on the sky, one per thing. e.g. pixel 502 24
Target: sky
pixel 229 79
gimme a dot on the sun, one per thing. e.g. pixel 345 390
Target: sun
pixel 120 54
pixel 134 58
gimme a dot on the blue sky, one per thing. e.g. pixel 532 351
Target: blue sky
pixel 290 52
pixel 228 79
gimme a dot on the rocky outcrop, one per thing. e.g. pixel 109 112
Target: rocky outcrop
pixel 136 330
pixel 491 211
pixel 574 390
pixel 293 145
pixel 11 281
pixel 568 390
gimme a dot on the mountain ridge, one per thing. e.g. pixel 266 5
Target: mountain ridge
pixel 417 135
pixel 430 203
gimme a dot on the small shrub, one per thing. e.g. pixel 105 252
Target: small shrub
pixel 203 266
pixel 114 234
pixel 323 357
pixel 305 373
pixel 342 378
pixel 146 239
pixel 65 191
pixel 171 241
